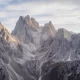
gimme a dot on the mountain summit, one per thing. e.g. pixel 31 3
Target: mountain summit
pixel 48 30
pixel 6 35
pixel 27 30
pixel 24 28
pixel 43 53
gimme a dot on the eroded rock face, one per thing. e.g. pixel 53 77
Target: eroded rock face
pixel 41 54
pixel 64 33
pixel 64 71
pixel 48 46
pixel 27 30
pixel 12 62
pixel 48 30
pixel 6 35
pixel 58 49
pixel 12 58
pixel 3 72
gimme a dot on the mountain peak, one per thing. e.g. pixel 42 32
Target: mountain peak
pixel 21 18
pixel 1 26
pixel 27 17
pixel 50 22
pixel 28 21
pixel 48 30
pixel 4 33
pixel 49 25
pixel 63 33
pixel 24 28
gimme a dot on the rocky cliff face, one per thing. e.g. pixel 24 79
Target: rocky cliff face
pixel 58 49
pixel 55 46
pixel 64 33
pixel 28 31
pixel 64 71
pixel 38 53
pixel 13 58
pixel 48 30
pixel 6 35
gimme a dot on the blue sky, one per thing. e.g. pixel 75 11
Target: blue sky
pixel 62 13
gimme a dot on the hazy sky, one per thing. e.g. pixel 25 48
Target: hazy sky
pixel 62 13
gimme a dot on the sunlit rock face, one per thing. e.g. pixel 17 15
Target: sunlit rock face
pixel 33 52
pixel 48 30
pixel 6 35
pixel 25 29
pixel 13 57
pixel 28 31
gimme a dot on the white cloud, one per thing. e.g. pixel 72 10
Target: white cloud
pixel 62 14
pixel 4 1
pixel 10 23
pixel 2 14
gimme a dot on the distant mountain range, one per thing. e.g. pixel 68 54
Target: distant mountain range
pixel 34 52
